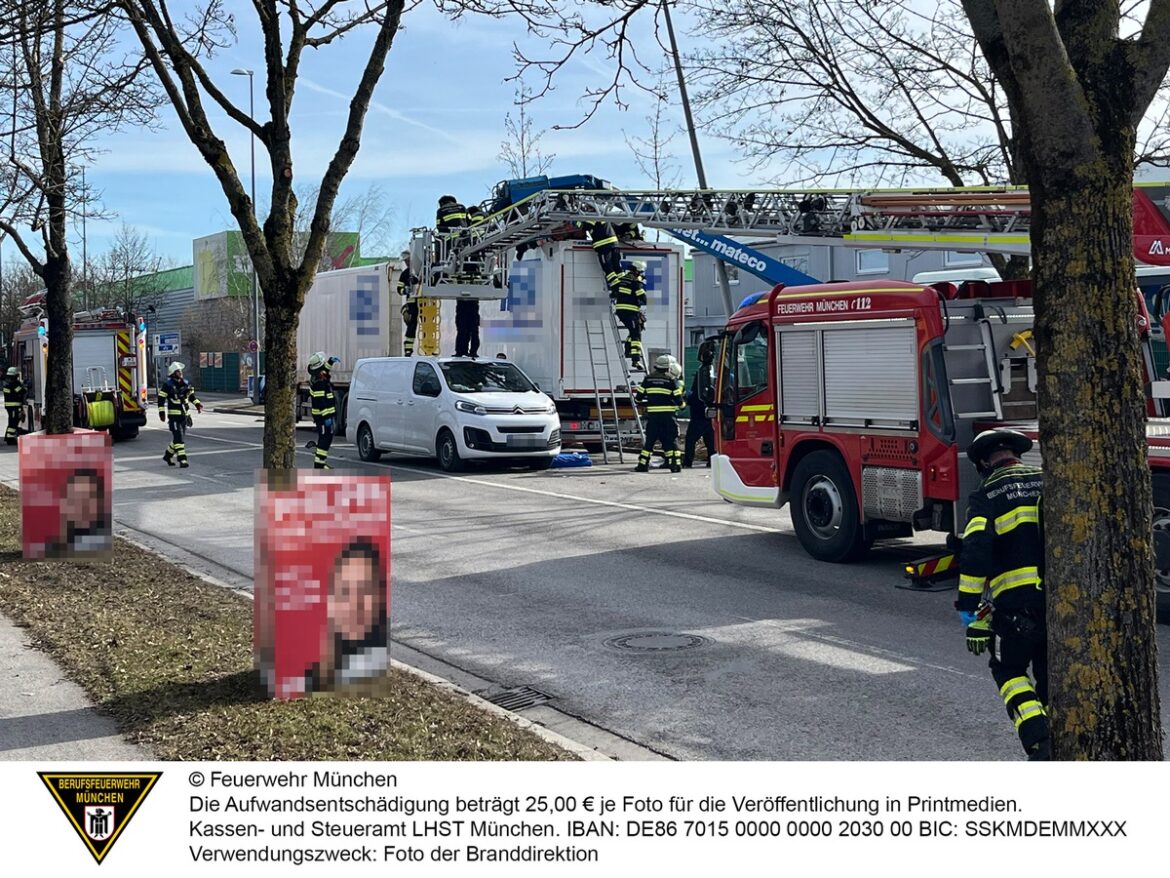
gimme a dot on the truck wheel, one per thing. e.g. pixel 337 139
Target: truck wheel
pixel 447 450
pixel 1161 485
pixel 123 434
pixel 365 444
pixel 824 509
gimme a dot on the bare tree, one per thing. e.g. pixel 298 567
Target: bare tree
pixel 367 213
pixel 1078 89
pixel 70 80
pixel 652 152
pixel 520 148
pixel 17 283
pixel 178 48
pixel 126 275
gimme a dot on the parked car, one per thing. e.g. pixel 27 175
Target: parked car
pixel 453 408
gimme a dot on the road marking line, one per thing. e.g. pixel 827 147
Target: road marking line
pixel 632 507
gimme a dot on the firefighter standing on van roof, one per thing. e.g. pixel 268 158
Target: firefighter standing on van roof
pixel 629 300
pixel 662 394
pixel 323 406
pixel 15 394
pixel 406 285
pixel 1003 551
pixel 175 399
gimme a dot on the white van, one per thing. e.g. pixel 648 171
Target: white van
pixel 452 408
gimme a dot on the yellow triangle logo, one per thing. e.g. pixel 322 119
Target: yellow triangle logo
pixel 99 806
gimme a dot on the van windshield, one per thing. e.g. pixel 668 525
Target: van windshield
pixel 485 377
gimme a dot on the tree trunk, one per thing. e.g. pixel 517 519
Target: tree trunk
pixel 280 369
pixel 58 276
pixel 1104 699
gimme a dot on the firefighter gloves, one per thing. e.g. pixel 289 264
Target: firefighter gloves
pixel 979 636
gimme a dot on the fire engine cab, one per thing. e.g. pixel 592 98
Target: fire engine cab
pixel 854 401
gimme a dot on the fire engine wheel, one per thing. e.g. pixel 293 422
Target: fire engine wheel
pixel 365 444
pixel 824 509
pixel 447 450
pixel 1161 485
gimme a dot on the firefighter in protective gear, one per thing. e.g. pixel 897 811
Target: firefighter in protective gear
pixel 699 426
pixel 467 328
pixel 662 394
pixel 406 286
pixel 605 247
pixel 15 395
pixel 1003 554
pixel 629 302
pixel 451 216
pixel 450 221
pixel 175 399
pixel 323 404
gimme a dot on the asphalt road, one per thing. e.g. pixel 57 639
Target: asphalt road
pixel 540 579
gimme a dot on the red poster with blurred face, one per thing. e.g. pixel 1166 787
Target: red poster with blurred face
pixel 321 617
pixel 66 495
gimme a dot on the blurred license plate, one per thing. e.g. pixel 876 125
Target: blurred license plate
pixel 523 441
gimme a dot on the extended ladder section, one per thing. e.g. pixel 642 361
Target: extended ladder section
pixel 609 422
pixel 986 219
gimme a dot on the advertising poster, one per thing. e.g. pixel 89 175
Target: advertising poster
pixel 66 495
pixel 321 617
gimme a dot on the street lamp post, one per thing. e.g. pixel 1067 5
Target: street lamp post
pixel 242 71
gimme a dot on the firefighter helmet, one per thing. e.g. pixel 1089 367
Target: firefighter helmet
pixel 175 367
pixel 664 362
pixel 448 199
pixel 990 441
pixel 13 371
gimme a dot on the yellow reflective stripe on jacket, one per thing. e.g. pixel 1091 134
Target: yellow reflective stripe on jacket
pixel 613 239
pixel 975 525
pixel 1014 579
pixel 1009 521
pixel 971 584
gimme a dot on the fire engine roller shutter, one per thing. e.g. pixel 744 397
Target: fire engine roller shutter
pixel 871 374
pixel 800 376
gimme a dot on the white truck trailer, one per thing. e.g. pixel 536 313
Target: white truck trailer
pixel 350 313
pixel 557 313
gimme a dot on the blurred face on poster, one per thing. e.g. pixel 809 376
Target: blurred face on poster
pixel 355 606
pixel 84 524
pixel 355 644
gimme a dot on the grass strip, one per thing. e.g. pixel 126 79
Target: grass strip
pixel 169 657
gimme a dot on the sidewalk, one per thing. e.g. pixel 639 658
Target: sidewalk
pixel 231 404
pixel 44 716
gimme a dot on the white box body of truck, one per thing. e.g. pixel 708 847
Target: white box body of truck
pixel 349 314
pixel 540 325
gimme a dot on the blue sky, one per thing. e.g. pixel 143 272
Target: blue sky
pixel 435 127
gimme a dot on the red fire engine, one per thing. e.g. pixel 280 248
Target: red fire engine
pixel 109 369
pixel 853 402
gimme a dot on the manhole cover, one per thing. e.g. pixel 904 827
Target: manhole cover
pixel 656 641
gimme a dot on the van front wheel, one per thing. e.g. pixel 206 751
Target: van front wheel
pixel 448 452
pixel 365 444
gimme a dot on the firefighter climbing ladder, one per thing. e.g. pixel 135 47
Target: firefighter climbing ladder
pixel 992 219
pixel 598 339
